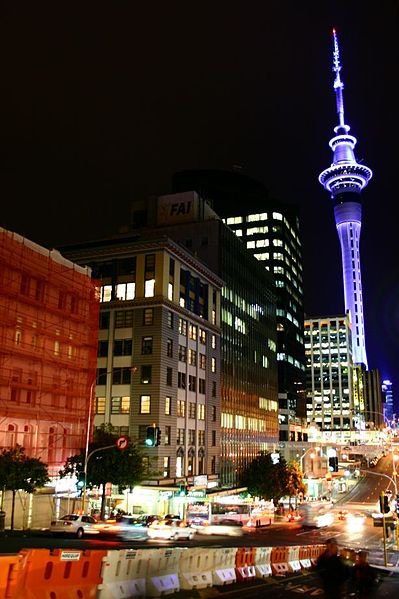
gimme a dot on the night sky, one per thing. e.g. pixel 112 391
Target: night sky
pixel 100 106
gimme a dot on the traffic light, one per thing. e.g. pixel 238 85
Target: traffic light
pixel 153 436
pixel 80 483
pixel 384 504
pixel 157 436
pixel 150 437
pixel 333 464
pixel 183 491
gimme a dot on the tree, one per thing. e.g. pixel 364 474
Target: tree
pixel 266 479
pixel 124 468
pixel 20 472
pixel 295 481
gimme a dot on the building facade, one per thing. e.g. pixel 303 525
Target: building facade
pixel 332 404
pixel 248 374
pixel 270 230
pixel 48 326
pixel 159 352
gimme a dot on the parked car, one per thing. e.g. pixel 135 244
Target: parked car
pixel 126 527
pixel 170 529
pixel 75 524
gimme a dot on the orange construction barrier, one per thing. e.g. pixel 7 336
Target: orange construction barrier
pixel 245 563
pixel 315 552
pixel 11 583
pixel 279 560
pixel 61 573
pixel 304 556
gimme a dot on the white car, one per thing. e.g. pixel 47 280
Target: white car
pixel 230 530
pixel 170 529
pixel 128 527
pixel 75 524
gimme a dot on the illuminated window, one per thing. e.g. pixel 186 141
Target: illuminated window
pixel 100 405
pixel 234 220
pixel 213 364
pixel 180 408
pixel 149 288
pixel 201 411
pixel 106 293
pixel 168 405
pixel 166 467
pixel 170 291
pixel 120 405
pixel 182 327
pixel 145 404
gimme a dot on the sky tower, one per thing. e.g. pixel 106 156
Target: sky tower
pixel 345 179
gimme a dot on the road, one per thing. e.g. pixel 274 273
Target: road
pixel 363 498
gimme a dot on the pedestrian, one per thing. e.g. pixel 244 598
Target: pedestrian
pixel 332 571
pixel 364 577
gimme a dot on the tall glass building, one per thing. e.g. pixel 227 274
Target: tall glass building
pixel 270 230
pixel 333 402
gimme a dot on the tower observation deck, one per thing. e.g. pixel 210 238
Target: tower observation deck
pixel 345 179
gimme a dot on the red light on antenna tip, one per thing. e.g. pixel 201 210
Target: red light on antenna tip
pixel 334 32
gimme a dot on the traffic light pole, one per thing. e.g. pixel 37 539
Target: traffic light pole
pixel 84 494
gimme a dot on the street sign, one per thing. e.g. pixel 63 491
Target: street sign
pixel 122 442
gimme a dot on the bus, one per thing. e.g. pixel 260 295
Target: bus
pixel 228 510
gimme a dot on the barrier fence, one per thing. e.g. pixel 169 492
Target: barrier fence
pixel 135 574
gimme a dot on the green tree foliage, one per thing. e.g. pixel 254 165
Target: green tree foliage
pixel 119 467
pixel 295 481
pixel 20 472
pixel 265 479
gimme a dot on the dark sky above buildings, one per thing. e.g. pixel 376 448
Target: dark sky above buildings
pixel 102 105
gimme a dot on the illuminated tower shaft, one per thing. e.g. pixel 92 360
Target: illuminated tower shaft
pixel 345 179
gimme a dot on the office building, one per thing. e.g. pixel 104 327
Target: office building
pixel 332 403
pixel 159 354
pixel 270 230
pixel 49 327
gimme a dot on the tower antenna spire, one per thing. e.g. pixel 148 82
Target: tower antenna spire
pixel 338 84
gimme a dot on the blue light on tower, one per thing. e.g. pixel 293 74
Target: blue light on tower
pixel 345 179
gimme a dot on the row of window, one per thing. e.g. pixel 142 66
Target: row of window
pixel 124 347
pixel 121 405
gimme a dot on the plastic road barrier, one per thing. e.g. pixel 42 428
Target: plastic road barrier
pixel 163 571
pixel 279 560
pixel 294 564
pixel 245 563
pixel 304 557
pixel 262 562
pixel 124 574
pixel 195 569
pixel 61 573
pixel 224 561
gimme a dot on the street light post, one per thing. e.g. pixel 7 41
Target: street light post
pixel 87 455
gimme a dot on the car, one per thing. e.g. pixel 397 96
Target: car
pixel 294 516
pixel 232 529
pixel 75 524
pixel 148 519
pixel 356 520
pixel 170 529
pixel 126 527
